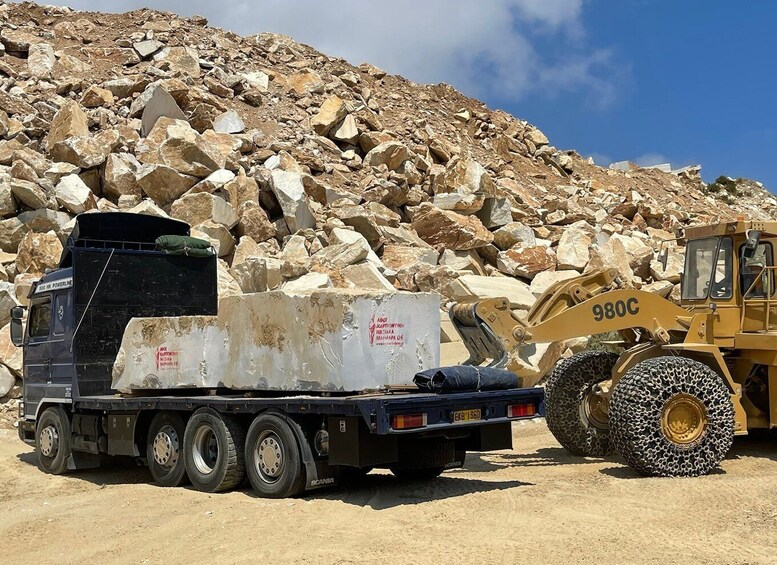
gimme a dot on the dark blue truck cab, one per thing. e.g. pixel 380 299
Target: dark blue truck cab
pixel 112 270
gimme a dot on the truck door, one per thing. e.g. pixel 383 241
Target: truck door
pixel 62 368
pixel 37 353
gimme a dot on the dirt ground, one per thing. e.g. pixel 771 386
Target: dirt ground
pixel 532 504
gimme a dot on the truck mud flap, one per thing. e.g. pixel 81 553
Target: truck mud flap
pixel 82 460
pixel 318 473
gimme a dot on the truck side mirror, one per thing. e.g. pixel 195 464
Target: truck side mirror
pixel 17 329
pixel 751 245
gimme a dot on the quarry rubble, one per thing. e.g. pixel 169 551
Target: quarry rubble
pixel 307 172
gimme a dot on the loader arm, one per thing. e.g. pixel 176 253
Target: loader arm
pixel 575 308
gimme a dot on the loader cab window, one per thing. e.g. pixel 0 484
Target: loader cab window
pixel 755 279
pixel 40 319
pixel 708 269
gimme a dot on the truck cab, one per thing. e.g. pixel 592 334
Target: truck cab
pixel 49 371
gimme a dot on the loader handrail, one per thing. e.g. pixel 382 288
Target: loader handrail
pixel 767 299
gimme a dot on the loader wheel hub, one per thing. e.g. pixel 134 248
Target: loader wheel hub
pixel 595 409
pixel 684 419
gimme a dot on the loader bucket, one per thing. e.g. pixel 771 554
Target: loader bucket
pixel 491 331
pixel 477 335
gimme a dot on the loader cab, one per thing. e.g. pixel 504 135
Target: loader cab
pixel 730 268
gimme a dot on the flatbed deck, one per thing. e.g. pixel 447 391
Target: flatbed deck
pixel 375 408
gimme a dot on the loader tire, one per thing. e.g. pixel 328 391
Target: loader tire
pixel 576 417
pixel 214 451
pixel 672 416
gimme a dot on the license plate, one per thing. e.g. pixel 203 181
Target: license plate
pixel 466 415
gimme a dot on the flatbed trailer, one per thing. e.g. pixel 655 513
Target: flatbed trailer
pixel 415 434
pixel 286 442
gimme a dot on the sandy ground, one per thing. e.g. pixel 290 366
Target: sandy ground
pixel 532 504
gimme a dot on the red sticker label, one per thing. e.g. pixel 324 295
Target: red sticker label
pixel 385 331
pixel 166 359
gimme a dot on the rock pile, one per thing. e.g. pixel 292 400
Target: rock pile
pixel 307 172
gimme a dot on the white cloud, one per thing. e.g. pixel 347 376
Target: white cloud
pixel 486 48
pixel 650 159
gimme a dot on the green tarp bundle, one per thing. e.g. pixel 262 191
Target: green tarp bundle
pixel 184 245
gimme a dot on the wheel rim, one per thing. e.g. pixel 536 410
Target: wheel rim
pixel 166 447
pixel 269 458
pixel 684 419
pixel 205 450
pixel 49 441
pixel 594 409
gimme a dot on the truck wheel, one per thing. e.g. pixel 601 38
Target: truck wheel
pixel 273 458
pixel 672 416
pixel 52 441
pixel 164 449
pixel 422 474
pixel 575 415
pixel 213 451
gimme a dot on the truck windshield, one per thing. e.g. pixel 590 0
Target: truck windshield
pixel 700 262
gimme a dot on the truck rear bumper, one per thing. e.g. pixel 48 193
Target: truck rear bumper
pixel 442 411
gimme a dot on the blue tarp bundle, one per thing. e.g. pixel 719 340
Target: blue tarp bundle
pixel 464 378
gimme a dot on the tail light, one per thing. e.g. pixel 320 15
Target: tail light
pixel 521 410
pixel 408 421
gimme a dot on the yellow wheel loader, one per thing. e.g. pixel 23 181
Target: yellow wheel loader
pixel 690 377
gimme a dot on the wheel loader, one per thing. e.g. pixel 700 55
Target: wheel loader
pixel 689 377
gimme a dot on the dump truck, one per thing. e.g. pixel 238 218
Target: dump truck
pixel 687 378
pixel 287 435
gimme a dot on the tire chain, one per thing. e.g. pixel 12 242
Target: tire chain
pixel 564 393
pixel 635 417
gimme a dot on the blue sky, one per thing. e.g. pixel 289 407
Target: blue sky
pixel 695 82
pixel 651 81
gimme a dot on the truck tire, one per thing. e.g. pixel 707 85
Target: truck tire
pixel 213 451
pixel 273 458
pixel 422 474
pixel 53 441
pixel 672 416
pixel 164 449
pixel 574 414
